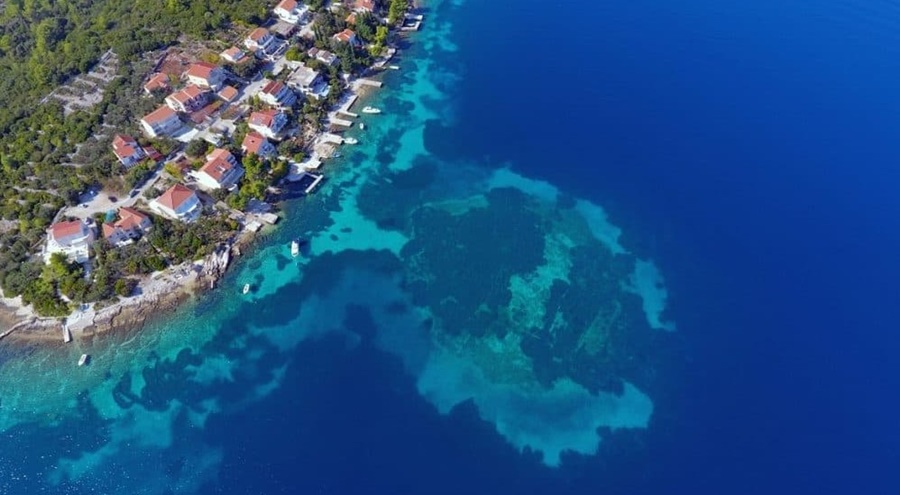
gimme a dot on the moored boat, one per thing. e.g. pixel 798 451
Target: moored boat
pixel 295 248
pixel 371 110
pixel 83 360
pixel 350 140
pixel 362 126
pixel 246 288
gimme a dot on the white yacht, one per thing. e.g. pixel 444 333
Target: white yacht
pixel 362 126
pixel 372 110
pixel 295 248
pixel 350 140
pixel 83 359
pixel 246 288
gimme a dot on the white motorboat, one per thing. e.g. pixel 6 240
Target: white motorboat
pixel 83 360
pixel 246 288
pixel 362 126
pixel 371 110
pixel 295 248
pixel 350 140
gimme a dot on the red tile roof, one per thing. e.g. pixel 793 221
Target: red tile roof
pixel 187 94
pixel 66 229
pixel 129 216
pixel 273 88
pixel 157 81
pixel 161 114
pixel 175 196
pixel 201 70
pixel 129 219
pixel 345 35
pixel 287 5
pixel 364 5
pixel 217 168
pixel 253 141
pixel 124 146
pixel 233 53
pixel 258 34
pixel 220 154
pixel 228 93
pixel 264 118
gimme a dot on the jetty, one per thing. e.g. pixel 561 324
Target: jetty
pixel 67 334
pixel 331 138
pixel 412 22
pixel 369 82
pixel 316 179
pixel 335 120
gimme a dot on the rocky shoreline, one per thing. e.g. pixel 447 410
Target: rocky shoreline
pixel 159 295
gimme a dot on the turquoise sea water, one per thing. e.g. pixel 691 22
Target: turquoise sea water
pixel 437 299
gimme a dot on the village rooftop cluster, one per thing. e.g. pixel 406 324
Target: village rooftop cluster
pixel 210 103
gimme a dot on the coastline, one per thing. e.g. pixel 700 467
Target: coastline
pixel 163 292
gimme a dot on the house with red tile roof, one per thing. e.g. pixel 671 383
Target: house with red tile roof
pixel 206 75
pixel 157 82
pixel 260 39
pixel 127 150
pixel 277 94
pixel 228 93
pixel 234 55
pixel 131 225
pixel 268 122
pixel 291 11
pixel 364 5
pixel 178 203
pixel 161 122
pixel 256 144
pixel 347 36
pixel 221 171
pixel 188 99
pixel 72 238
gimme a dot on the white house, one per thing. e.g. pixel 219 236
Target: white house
pixel 256 144
pixel 127 150
pixel 188 99
pixel 178 203
pixel 221 171
pixel 364 6
pixel 347 36
pixel 260 39
pixel 276 94
pixel 130 225
pixel 268 122
pixel 291 11
pixel 308 81
pixel 206 75
pixel 234 55
pixel 161 122
pixel 73 239
pixel 323 56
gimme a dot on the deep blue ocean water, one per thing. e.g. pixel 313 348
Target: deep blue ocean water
pixel 748 150
pixel 756 147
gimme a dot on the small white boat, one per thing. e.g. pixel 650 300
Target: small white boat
pixel 362 126
pixel 371 110
pixel 350 140
pixel 295 248
pixel 394 67
pixel 83 359
pixel 246 288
